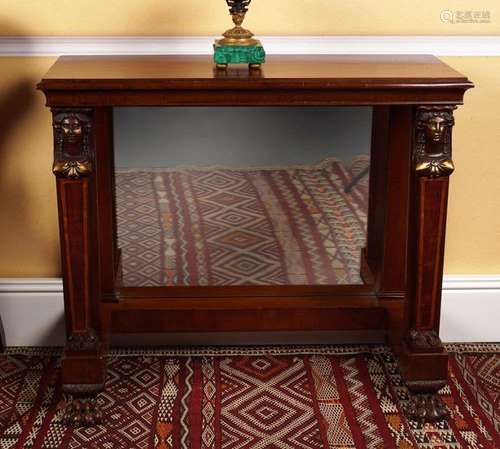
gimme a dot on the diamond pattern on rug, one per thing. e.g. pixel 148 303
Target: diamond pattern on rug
pixel 141 228
pixel 342 398
pixel 267 402
pixel 222 226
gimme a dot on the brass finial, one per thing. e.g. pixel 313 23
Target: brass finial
pixel 238 35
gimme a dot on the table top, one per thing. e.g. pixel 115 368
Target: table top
pixel 198 72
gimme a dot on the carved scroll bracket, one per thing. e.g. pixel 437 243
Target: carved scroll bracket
pixel 72 143
pixel 433 141
pixel 425 341
pixel 83 341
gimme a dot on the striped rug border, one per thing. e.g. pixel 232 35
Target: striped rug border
pixel 251 350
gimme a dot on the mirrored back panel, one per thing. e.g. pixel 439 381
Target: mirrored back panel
pixel 241 196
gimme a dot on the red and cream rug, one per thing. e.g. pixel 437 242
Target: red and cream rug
pixel 274 397
pixel 222 226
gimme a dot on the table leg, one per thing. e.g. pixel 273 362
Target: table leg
pixel 424 360
pixel 82 364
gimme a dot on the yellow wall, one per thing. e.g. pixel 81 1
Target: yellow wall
pixel 150 17
pixel 473 235
pixel 28 220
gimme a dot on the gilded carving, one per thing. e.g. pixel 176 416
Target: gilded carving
pixel 72 169
pixel 72 143
pixel 83 341
pixel 433 141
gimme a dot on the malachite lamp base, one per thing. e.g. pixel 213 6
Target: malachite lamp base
pixel 253 55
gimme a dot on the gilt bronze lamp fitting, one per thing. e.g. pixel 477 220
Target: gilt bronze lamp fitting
pixel 238 45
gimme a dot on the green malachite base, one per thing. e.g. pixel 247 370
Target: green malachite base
pixel 234 54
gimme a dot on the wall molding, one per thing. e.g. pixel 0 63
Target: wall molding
pixel 32 310
pixel 459 282
pixel 31 285
pixel 133 45
pixel 451 282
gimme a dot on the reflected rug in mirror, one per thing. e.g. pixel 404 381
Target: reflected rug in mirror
pixel 225 226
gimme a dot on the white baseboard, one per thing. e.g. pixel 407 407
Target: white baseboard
pixel 157 45
pixel 470 308
pixel 32 310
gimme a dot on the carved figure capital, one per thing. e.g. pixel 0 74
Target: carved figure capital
pixel 72 143
pixel 433 141
pixel 83 341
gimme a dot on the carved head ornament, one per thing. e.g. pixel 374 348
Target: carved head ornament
pixel 435 129
pixel 433 141
pixel 72 143
pixel 71 128
pixel 435 124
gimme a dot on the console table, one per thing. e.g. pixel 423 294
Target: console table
pixel 413 99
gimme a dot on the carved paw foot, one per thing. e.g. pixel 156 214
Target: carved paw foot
pixel 426 408
pixel 82 413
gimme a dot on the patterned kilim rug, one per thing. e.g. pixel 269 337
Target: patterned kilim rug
pixel 221 226
pixel 273 397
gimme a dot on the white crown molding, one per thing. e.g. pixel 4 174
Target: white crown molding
pixel 32 310
pixel 134 45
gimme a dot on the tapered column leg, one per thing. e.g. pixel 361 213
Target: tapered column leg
pixel 424 360
pixel 82 364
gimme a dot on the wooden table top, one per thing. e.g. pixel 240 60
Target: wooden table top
pixel 198 72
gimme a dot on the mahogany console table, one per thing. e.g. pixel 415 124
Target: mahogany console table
pixel 413 99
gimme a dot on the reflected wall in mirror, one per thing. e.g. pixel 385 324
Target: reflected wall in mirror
pixel 241 196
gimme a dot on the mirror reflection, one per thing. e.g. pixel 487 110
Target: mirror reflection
pixel 241 196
